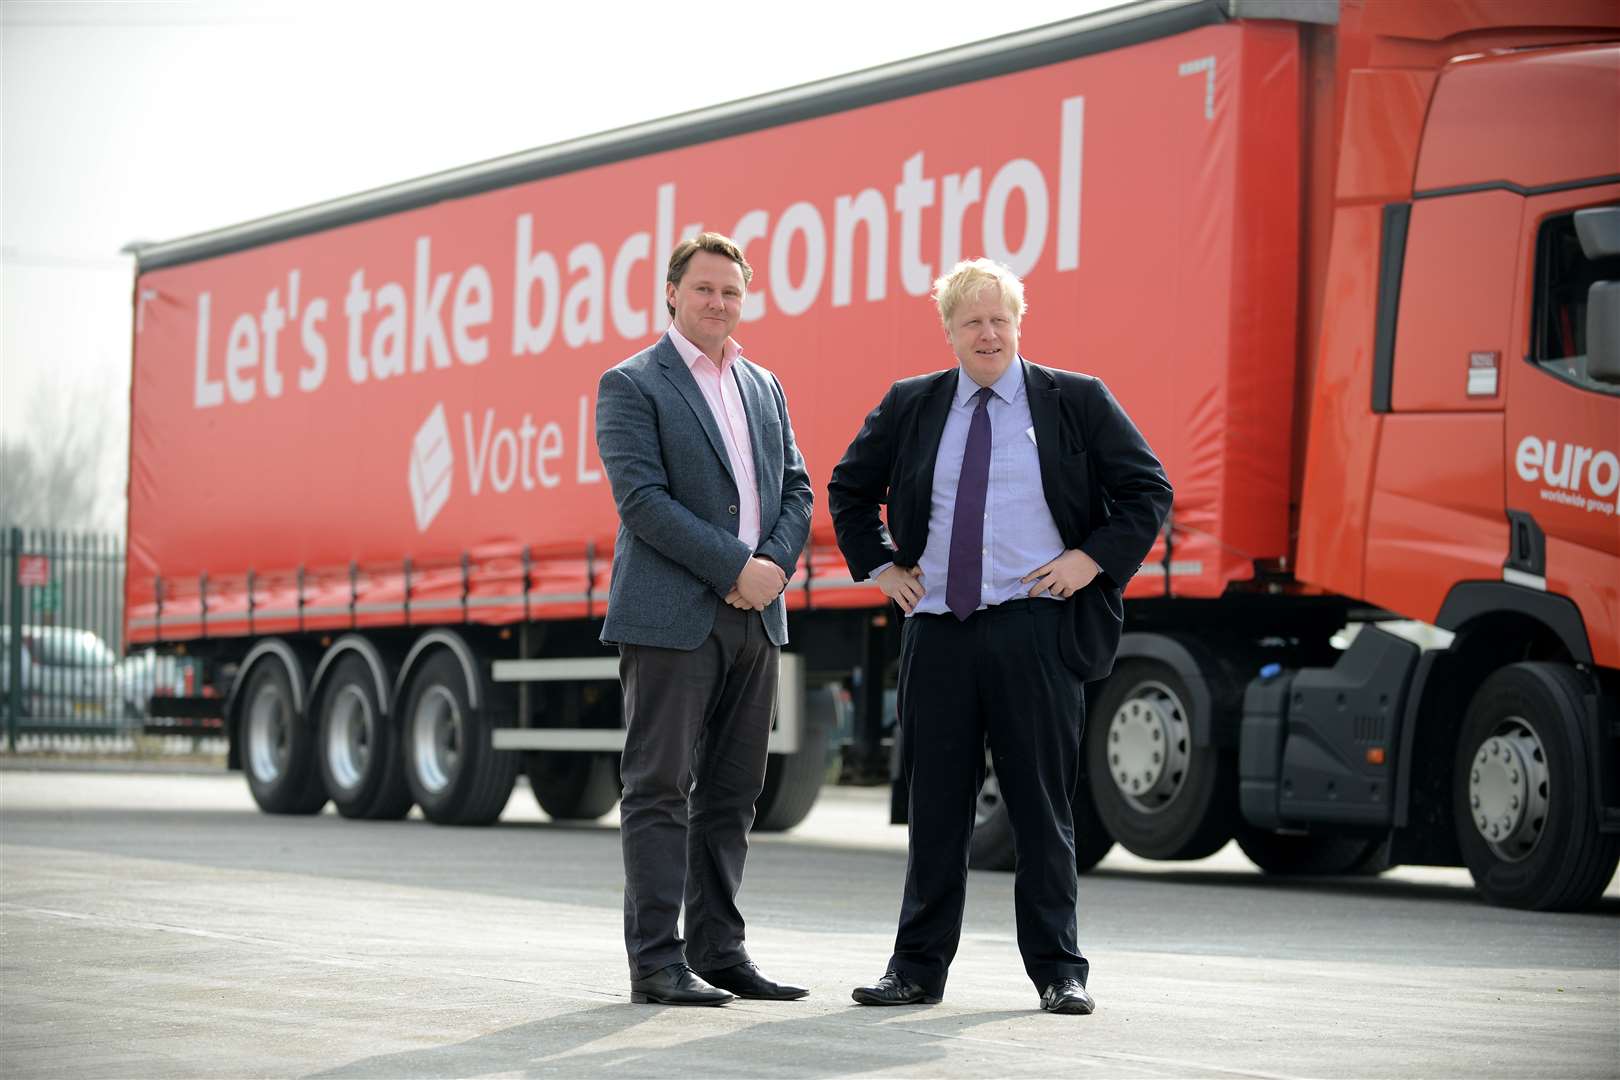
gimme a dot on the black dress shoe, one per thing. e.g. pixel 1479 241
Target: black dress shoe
pixel 675 985
pixel 894 989
pixel 747 981
pixel 1067 996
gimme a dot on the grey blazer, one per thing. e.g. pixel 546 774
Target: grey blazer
pixel 677 553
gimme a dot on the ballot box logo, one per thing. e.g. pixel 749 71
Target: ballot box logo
pixel 431 466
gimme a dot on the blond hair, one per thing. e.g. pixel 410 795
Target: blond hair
pixel 970 277
pixel 715 244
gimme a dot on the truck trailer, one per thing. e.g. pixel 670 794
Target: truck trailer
pixel 1353 268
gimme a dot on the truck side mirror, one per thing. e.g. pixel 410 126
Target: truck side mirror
pixel 1603 331
pixel 1598 228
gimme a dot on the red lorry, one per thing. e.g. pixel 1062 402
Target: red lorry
pixel 1354 268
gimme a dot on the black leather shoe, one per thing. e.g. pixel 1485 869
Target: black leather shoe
pixel 675 985
pixel 893 989
pixel 747 981
pixel 1067 996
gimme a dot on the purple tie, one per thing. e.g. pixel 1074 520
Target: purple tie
pixel 964 572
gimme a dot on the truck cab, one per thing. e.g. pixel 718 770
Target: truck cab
pixel 1458 405
pixel 1461 470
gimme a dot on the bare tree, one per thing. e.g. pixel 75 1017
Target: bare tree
pixel 65 471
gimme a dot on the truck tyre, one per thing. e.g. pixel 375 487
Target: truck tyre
pixel 1312 855
pixel 1092 839
pixel 456 776
pixel 793 781
pixel 991 847
pixel 360 759
pixel 1523 795
pixel 1157 793
pixel 574 786
pixel 278 744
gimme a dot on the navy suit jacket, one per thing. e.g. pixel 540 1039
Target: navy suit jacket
pixel 1105 488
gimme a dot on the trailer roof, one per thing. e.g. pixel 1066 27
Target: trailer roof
pixel 1127 24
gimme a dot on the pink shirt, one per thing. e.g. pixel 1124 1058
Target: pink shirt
pixel 719 386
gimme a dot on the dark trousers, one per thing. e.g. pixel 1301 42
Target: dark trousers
pixel 697 724
pixel 996 674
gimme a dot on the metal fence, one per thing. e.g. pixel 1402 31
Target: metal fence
pixel 62 669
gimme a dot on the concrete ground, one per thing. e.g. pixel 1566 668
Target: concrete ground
pixel 155 924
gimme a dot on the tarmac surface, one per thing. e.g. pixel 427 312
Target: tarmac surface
pixel 155 924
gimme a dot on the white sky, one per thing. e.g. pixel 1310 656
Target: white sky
pixel 154 120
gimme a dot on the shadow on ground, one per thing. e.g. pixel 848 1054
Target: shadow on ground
pixel 602 1041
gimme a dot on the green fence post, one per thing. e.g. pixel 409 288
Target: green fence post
pixel 14 642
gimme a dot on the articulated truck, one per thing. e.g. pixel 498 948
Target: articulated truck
pixel 1353 267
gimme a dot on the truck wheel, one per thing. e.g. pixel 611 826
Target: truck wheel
pixel 360 759
pixel 1523 796
pixel 1091 837
pixel 793 781
pixel 991 847
pixel 574 786
pixel 1156 792
pixel 1311 855
pixel 455 775
pixel 278 744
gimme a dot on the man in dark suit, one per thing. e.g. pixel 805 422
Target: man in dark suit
pixel 1021 500
pixel 714 509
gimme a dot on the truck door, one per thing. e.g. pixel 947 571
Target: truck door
pixel 1435 515
pixel 1563 424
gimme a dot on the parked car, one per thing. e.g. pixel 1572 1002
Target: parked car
pixel 148 673
pixel 68 674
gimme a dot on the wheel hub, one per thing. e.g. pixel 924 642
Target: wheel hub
pixel 436 734
pixel 1148 747
pixel 350 737
pixel 1508 789
pixel 269 734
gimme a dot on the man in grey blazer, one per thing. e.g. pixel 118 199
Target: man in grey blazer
pixel 714 509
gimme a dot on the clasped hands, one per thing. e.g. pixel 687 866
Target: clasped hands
pixel 1062 577
pixel 760 582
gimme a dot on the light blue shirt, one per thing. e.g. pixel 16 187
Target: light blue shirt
pixel 1019 533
